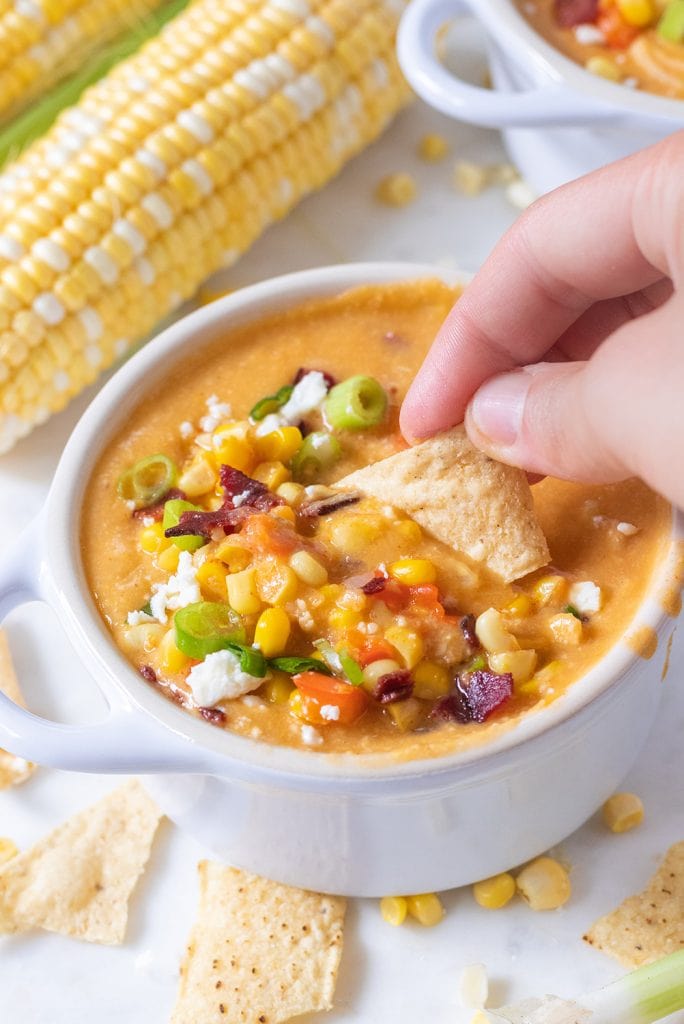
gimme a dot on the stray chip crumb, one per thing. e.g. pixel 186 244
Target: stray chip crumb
pixel 13 769
pixel 398 189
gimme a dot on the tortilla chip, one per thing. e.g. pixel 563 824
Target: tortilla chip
pixel 463 498
pixel 13 769
pixel 259 952
pixel 77 880
pixel 649 925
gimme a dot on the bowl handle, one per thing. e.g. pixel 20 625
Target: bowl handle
pixel 126 741
pixel 545 105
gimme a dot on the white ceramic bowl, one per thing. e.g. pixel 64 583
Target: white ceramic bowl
pixel 558 120
pixel 360 826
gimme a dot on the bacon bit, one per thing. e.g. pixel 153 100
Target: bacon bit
pixel 375 585
pixel 254 497
pixel 302 372
pixel 393 687
pixel 156 511
pixel 451 709
pixel 334 503
pixel 477 696
pixel 575 12
pixel 213 715
pixel 467 625
pixel 148 673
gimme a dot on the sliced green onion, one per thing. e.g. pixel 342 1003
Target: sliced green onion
pixel 206 627
pixel 146 609
pixel 293 666
pixel 251 661
pixel 147 481
pixel 671 24
pixel 317 453
pixel 340 662
pixel 477 664
pixel 356 404
pixel 173 510
pixel 571 610
pixel 646 995
pixel 271 403
pixel 351 668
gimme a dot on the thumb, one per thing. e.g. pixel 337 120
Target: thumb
pixel 620 414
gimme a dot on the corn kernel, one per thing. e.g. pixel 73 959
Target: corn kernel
pixel 433 147
pixel 343 618
pixel 551 589
pixel 430 681
pixel 519 607
pixel 273 474
pixel 406 714
pixel 279 444
pixel 409 531
pixel 373 672
pixel 291 492
pixel 542 682
pixel 236 452
pixel 241 429
pixel 331 592
pixel 243 596
pixel 276 582
pixel 278 688
pixel 413 571
pixel 639 13
pixel 353 534
pixel 272 632
pixel 152 539
pixel 426 909
pixel 470 178
pixel 566 629
pixel 624 811
pixel 305 709
pixel 171 660
pixel 211 577
pixel 284 512
pixel 398 189
pixel 308 569
pixel 520 664
pixel 394 909
pixel 143 638
pixel 492 633
pixel 8 849
pixel 407 642
pixel 604 67
pixel 544 884
pixel 494 893
pixel 168 558
pixel 199 477
pixel 232 554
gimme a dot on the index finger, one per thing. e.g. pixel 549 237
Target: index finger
pixel 580 244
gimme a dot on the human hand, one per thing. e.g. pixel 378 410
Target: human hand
pixel 565 355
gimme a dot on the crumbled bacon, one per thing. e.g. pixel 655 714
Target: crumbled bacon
pixel 148 673
pixel 156 511
pixel 333 503
pixel 477 695
pixel 302 372
pixel 213 715
pixel 452 708
pixel 254 497
pixel 467 625
pixel 393 687
pixel 576 12
pixel 375 585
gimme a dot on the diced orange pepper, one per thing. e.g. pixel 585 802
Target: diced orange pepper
pixel 426 596
pixel 618 34
pixel 352 701
pixel 266 535
pixel 374 650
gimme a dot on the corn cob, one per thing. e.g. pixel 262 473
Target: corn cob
pixel 42 41
pixel 168 169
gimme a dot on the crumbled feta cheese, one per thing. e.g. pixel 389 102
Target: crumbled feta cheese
pixel 220 677
pixel 330 712
pixel 269 424
pixel 179 590
pixel 135 618
pixel 473 987
pixel 311 736
pixel 629 529
pixel 251 701
pixel 306 396
pixel 589 35
pixel 371 628
pixel 585 597
pixel 217 413
pixel 186 429
pixel 241 498
pixel 130 505
pixel 148 520
pixel 304 616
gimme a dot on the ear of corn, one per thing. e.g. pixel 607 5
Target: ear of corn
pixel 168 169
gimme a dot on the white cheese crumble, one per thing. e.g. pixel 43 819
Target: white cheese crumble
pixel 629 529
pixel 330 712
pixel 473 987
pixel 520 194
pixel 306 396
pixel 137 617
pixel 219 677
pixel 240 498
pixel 311 736
pixel 186 429
pixel 217 413
pixel 585 597
pixel 589 35
pixel 180 589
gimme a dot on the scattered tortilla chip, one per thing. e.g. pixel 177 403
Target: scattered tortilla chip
pixel 259 952
pixel 77 880
pixel 649 925
pixel 13 769
pixel 463 498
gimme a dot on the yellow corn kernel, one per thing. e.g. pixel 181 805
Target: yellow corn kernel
pixel 520 664
pixel 305 709
pixel 407 642
pixel 233 555
pixel 544 884
pixel 276 582
pixel 394 909
pixel 542 683
pixel 278 688
pixel 272 632
pixel 639 13
pixel 430 681
pixel 308 569
pixel 373 672
pixel 413 571
pixel 492 633
pixel 284 512
pixel 494 893
pixel 566 629
pixel 211 577
pixel 279 444
pixel 519 607
pixel 171 660
pixel 8 849
pixel 471 178
pixel 236 428
pixel 426 909
pixel 331 592
pixel 409 531
pixel 235 452
pixel 398 189
pixel 344 618
pixel 273 474
pixel 551 589
pixel 433 147
pixel 168 558
pixel 622 812
pixel 604 67
pixel 199 477
pixel 243 596
pixel 143 638
pixel 152 539
pixel 354 599
pixel 406 714
pixel 291 492
pixel 351 535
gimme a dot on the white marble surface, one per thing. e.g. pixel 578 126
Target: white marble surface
pixel 388 975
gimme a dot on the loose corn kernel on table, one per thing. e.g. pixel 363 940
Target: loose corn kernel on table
pixel 396 974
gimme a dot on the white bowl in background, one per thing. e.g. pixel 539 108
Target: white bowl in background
pixel 361 826
pixel 559 121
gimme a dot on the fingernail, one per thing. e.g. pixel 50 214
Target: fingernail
pixel 497 408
